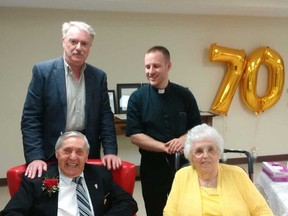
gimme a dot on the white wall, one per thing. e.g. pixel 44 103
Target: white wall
pixel 29 35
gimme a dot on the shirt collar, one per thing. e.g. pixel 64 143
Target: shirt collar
pixel 162 91
pixel 68 70
pixel 66 179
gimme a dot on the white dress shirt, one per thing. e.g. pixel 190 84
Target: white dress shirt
pixel 67 199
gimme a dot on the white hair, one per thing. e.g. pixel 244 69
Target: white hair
pixel 202 132
pixel 68 134
pixel 81 25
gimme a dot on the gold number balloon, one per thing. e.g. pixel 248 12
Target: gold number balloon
pixel 235 66
pixel 274 63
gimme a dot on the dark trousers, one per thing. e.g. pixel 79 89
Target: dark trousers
pixel 157 173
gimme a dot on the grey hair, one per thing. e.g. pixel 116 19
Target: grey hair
pixel 68 134
pixel 81 25
pixel 199 133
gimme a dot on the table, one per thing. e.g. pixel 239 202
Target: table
pixel 275 193
pixel 120 121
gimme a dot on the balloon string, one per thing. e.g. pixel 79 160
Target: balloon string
pixel 225 128
pixel 255 145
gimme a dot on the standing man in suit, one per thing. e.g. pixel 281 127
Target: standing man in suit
pixel 68 94
pixel 158 118
pixel 104 197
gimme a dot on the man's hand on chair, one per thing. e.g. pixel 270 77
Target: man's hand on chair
pixel 111 161
pixel 34 167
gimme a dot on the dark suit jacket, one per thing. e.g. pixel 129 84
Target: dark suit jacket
pixel 107 199
pixel 45 111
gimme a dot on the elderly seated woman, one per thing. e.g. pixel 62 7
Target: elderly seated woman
pixel 209 188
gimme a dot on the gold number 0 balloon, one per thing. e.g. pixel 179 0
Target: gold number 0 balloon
pixel 235 66
pixel 275 66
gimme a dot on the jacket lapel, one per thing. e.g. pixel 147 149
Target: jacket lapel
pixel 95 189
pixel 59 74
pixel 50 204
pixel 89 85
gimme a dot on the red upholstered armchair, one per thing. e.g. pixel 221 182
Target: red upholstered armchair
pixel 125 176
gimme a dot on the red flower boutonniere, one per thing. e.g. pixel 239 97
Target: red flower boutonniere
pixel 50 185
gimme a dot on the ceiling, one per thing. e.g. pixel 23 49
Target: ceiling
pixel 267 8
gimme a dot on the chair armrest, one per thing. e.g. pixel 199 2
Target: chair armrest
pixel 14 178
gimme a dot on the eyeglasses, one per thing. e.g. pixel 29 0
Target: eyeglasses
pixel 198 152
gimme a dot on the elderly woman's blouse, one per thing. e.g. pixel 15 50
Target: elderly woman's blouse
pixel 211 201
pixel 237 195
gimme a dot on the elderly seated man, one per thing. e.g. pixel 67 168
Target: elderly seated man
pixel 71 186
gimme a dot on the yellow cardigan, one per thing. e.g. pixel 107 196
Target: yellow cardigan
pixel 238 194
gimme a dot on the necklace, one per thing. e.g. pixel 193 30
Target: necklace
pixel 208 183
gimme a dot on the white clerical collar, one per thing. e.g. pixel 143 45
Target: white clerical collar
pixel 161 91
